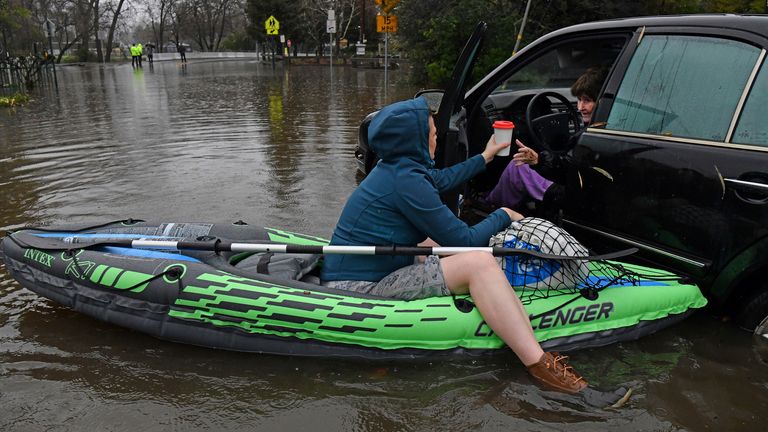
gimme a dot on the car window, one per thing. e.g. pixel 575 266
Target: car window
pixel 683 86
pixel 561 66
pixel 753 124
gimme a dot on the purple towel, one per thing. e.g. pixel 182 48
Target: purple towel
pixel 516 185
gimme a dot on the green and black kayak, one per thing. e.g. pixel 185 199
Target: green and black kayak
pixel 273 302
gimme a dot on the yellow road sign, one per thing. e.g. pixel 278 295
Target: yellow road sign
pixel 386 23
pixel 272 25
pixel 386 6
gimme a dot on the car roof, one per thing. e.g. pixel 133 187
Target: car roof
pixel 757 24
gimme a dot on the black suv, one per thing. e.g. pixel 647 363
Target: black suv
pixel 675 160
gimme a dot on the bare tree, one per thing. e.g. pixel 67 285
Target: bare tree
pixel 115 9
pixel 209 19
pixel 160 12
pixel 67 15
pixel 96 29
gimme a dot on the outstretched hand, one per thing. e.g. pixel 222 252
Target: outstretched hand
pixel 491 148
pixel 525 155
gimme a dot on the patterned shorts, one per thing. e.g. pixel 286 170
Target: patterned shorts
pixel 408 283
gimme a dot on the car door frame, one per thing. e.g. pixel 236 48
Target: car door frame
pixel 452 146
pixel 478 94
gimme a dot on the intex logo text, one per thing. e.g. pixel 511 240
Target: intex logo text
pixel 39 256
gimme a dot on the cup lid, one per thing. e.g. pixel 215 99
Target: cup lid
pixel 503 124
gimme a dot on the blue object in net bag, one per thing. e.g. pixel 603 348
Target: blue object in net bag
pixel 542 236
pixel 526 270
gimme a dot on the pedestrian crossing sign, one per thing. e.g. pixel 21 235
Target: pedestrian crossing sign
pixel 272 25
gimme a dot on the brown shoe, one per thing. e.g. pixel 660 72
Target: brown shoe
pixel 553 372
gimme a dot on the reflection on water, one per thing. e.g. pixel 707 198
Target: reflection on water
pixel 222 141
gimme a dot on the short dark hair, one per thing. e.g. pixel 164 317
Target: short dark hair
pixel 590 82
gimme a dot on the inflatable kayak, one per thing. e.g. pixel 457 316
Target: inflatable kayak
pixel 273 302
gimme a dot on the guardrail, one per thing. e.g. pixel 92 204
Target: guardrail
pixel 196 55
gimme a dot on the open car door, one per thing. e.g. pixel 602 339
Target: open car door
pixel 450 120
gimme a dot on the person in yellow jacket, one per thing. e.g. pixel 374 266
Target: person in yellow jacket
pixel 133 55
pixel 139 50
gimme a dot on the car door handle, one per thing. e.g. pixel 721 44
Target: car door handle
pixel 742 184
pixel 753 192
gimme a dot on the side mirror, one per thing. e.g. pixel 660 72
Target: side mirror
pixel 433 97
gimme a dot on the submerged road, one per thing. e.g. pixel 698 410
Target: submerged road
pixel 238 140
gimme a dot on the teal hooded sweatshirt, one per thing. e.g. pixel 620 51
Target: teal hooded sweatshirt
pixel 399 203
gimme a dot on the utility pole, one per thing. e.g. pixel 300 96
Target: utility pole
pixel 362 20
pixel 522 27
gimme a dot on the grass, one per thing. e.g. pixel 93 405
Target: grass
pixel 14 100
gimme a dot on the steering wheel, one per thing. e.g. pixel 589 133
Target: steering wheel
pixel 551 131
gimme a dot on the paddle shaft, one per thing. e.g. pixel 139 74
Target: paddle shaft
pixel 218 245
pixel 226 246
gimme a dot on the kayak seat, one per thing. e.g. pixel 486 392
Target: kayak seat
pixel 284 266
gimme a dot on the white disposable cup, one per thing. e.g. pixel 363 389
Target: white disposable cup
pixel 502 132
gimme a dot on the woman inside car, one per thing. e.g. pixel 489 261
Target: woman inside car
pixel 540 176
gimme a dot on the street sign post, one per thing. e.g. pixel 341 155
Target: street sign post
pixel 386 24
pixel 272 25
pixel 330 28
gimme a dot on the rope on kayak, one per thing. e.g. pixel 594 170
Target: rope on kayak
pixel 590 291
pixel 129 221
pixel 174 272
pixel 581 275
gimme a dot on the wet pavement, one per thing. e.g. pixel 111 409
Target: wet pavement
pixel 229 140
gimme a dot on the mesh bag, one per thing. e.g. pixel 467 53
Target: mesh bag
pixel 536 278
pixel 524 271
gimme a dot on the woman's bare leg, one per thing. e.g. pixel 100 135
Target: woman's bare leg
pixel 478 274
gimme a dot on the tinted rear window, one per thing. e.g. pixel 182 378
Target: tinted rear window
pixel 683 86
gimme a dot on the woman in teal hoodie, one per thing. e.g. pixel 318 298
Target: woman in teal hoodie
pixel 399 204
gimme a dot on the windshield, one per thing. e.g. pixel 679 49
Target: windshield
pixel 560 67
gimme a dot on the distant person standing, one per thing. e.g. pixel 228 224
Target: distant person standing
pixel 150 52
pixel 182 52
pixel 139 50
pixel 133 55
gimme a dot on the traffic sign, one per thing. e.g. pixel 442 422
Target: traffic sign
pixel 386 6
pixel 386 23
pixel 330 26
pixel 49 28
pixel 272 25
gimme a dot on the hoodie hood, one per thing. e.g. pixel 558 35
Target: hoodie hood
pixel 401 130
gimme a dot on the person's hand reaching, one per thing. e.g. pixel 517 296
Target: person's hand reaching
pixel 491 148
pixel 525 155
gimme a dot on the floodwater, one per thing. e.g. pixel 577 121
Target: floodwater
pixel 222 141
